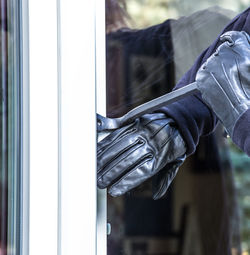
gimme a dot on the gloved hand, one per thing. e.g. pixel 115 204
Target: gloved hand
pixel 132 154
pixel 224 79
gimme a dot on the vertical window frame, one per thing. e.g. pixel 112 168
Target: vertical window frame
pixel 77 128
pixel 43 127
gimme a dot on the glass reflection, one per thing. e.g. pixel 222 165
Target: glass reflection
pixel 206 208
pixel 10 140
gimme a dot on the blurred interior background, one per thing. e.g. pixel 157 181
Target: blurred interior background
pixel 207 208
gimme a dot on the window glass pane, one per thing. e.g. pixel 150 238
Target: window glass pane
pixel 150 47
pixel 10 127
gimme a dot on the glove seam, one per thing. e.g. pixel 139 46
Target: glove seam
pixel 125 149
pixel 158 130
pixel 116 140
pixel 121 152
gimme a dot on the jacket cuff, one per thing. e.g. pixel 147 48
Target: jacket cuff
pixel 193 119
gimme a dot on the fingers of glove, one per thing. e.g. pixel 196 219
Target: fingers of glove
pixel 174 148
pixel 229 37
pixel 162 180
pixel 116 151
pixel 232 37
pixel 218 71
pixel 133 178
pixel 120 166
pixel 234 43
pixel 211 64
pixel 115 136
pixel 229 70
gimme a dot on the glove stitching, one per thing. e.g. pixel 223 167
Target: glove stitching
pixel 158 130
pixel 116 140
pixel 165 142
pixel 229 82
pixel 239 75
pixel 221 90
pixel 114 137
pixel 138 141
pixel 180 140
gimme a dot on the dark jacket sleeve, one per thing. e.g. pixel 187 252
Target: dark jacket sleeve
pixel 192 116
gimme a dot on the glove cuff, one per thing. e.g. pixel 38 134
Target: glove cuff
pixel 241 134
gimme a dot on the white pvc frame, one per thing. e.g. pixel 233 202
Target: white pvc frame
pixel 43 213
pixel 101 109
pixel 77 171
pixel 62 128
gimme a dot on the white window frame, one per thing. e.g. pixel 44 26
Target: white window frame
pixel 43 110
pixel 101 109
pixel 77 171
pixel 62 125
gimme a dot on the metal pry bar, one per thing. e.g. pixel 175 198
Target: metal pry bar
pixel 107 124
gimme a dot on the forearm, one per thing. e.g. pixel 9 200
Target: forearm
pixel 192 116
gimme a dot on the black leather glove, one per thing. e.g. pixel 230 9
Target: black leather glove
pixel 134 153
pixel 224 79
